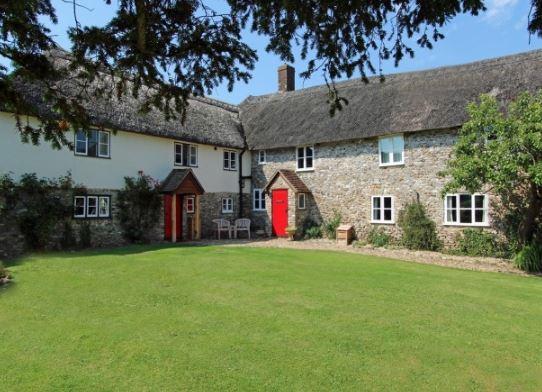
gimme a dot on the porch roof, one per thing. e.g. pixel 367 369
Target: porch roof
pixel 182 181
pixel 291 178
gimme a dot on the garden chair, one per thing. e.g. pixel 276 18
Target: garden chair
pixel 223 225
pixel 242 225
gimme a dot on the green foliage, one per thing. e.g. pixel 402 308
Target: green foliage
pixel 37 205
pixel 529 259
pixel 502 150
pixel 330 226
pixel 419 232
pixel 85 235
pixel 313 232
pixel 4 273
pixel 68 240
pixel 478 242
pixel 378 237
pixel 139 204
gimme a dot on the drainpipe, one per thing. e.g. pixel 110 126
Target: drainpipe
pixel 241 177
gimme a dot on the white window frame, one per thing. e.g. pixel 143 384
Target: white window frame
pixel 108 213
pixel 391 162
pixel 473 209
pixel 95 215
pixel 304 157
pixel 262 157
pixel 227 205
pixel 191 154
pixel 301 196
pixel 260 206
pixel 108 155
pixel 229 163
pixel 84 198
pixel 190 205
pixel 78 140
pixel 382 220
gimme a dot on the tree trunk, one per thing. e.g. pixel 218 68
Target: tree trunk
pixel 532 215
pixel 141 13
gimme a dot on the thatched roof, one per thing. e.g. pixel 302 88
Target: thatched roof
pixel 407 102
pixel 208 121
pixel 291 178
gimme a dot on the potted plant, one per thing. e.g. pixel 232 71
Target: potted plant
pixel 291 230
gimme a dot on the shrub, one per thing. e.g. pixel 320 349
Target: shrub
pixel 68 240
pixel 330 226
pixel 139 204
pixel 477 242
pixel 377 237
pixel 419 232
pixel 4 273
pixel 85 235
pixel 37 205
pixel 313 232
pixel 529 259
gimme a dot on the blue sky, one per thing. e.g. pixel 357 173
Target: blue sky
pixel 500 31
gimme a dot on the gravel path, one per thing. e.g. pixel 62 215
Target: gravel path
pixel 463 262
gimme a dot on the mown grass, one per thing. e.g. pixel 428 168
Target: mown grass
pixel 224 318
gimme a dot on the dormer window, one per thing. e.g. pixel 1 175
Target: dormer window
pixel 391 150
pixel 305 158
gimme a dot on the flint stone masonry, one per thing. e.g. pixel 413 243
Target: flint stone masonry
pixel 211 208
pixel 346 175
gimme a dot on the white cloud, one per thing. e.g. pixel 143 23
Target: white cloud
pixel 499 10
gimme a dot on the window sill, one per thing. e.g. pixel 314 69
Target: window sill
pixel 185 166
pixel 466 224
pixel 304 170
pixel 382 222
pixel 259 210
pixel 227 212
pixel 391 164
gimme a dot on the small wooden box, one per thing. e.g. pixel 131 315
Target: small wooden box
pixel 345 234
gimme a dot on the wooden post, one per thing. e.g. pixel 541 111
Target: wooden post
pixel 174 218
pixel 198 218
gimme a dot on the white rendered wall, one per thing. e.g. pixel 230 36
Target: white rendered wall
pixel 130 153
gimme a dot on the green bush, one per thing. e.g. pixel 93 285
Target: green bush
pixel 330 226
pixel 68 240
pixel 419 232
pixel 85 235
pixel 313 232
pixel 529 259
pixel 377 237
pixel 139 204
pixel 477 242
pixel 4 273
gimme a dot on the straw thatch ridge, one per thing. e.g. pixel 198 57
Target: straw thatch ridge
pixel 406 102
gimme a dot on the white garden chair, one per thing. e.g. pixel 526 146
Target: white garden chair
pixel 223 225
pixel 242 225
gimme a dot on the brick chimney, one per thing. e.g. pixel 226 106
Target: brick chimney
pixel 286 78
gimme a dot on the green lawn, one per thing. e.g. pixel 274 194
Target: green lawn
pixel 217 318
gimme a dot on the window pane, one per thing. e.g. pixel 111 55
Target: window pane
pixel 81 142
pixel 376 202
pixel 451 216
pixel 309 163
pixel 465 201
pixel 233 160
pixel 93 144
pixel 92 206
pixel 479 216
pixel 386 145
pixel 193 155
pixel 309 152
pixel 465 216
pixel 387 202
pixel 376 214
pixel 398 147
pixel 301 152
pixel 384 157
pixel 104 144
pixel 387 215
pixel 79 206
pixel 104 207
pixel 300 163
pixel 479 201
pixel 451 202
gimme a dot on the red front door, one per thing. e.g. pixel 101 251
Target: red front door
pixel 280 211
pixel 167 217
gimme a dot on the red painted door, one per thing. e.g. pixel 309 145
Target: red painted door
pixel 167 217
pixel 179 218
pixel 280 211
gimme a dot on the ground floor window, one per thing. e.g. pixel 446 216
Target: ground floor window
pixel 227 205
pixel 190 205
pixel 92 206
pixel 301 201
pixel 466 209
pixel 382 209
pixel 258 200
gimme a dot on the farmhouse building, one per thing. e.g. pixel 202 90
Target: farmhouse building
pixel 280 159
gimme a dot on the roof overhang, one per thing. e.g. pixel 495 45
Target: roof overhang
pixel 291 178
pixel 182 181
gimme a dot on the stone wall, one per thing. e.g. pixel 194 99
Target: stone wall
pixel 346 175
pixel 211 208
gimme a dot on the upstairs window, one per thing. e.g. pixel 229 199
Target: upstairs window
pixel 92 206
pixel 230 160
pixel 93 143
pixel 262 157
pixel 258 200
pixel 186 154
pixel 391 150
pixel 382 209
pixel 466 210
pixel 305 158
pixel 227 205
